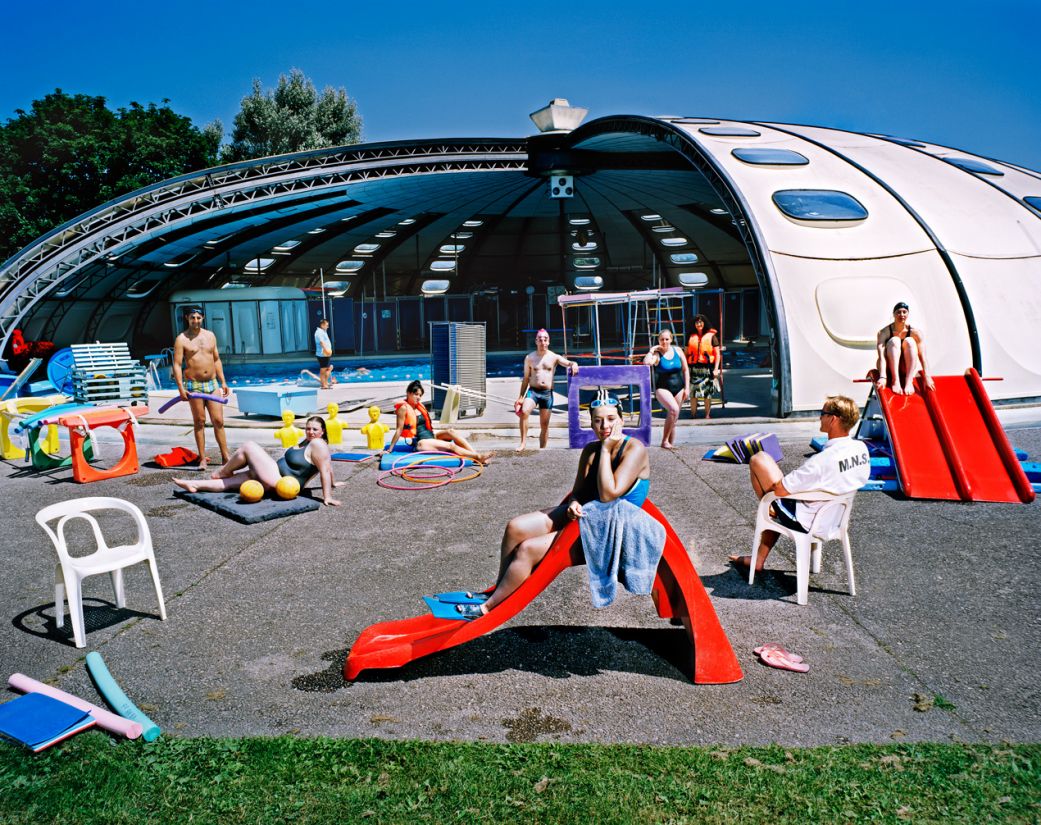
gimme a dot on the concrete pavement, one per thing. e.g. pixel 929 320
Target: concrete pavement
pixel 260 617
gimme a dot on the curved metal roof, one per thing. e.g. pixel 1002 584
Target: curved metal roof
pixel 956 238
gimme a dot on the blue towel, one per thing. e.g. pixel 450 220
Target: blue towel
pixel 621 543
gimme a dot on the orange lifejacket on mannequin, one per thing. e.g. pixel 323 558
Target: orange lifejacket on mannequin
pixel 700 350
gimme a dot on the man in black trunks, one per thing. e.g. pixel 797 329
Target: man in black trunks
pixel 536 389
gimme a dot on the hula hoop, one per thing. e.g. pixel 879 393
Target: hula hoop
pixel 416 464
pixel 429 485
pixel 433 456
pixel 479 469
pixel 437 472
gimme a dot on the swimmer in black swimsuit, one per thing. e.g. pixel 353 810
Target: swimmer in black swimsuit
pixel 251 461
pixel 671 382
pixel 901 349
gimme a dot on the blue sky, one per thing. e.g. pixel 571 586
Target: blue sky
pixel 957 73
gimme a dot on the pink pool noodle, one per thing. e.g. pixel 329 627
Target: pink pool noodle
pixel 105 719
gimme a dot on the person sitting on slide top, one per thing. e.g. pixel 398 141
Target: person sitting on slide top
pixel 843 466
pixel 414 422
pixel 671 381
pixel 251 461
pixel 537 387
pixel 614 466
pixel 706 364
pixel 901 349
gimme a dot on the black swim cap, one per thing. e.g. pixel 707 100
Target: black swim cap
pixel 186 311
pixel 901 305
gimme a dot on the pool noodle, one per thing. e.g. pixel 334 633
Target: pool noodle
pixel 117 699
pixel 220 399
pixel 105 719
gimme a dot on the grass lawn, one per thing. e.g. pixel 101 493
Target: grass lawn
pixel 95 779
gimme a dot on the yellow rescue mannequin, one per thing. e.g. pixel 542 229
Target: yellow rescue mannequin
pixel 334 427
pixel 374 430
pixel 289 435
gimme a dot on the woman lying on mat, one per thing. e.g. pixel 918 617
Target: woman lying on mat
pixel 414 422
pixel 251 461
pixel 612 467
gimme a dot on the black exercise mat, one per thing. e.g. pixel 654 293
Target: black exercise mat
pixel 228 504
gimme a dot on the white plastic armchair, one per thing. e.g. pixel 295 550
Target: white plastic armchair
pixel 827 525
pixel 70 571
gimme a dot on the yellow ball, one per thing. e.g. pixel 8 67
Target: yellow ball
pixel 287 487
pixel 251 491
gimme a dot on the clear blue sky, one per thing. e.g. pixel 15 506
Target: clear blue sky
pixel 958 73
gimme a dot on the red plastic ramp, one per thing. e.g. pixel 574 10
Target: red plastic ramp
pixel 677 593
pixel 949 444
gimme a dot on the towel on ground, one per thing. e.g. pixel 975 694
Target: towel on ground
pixel 621 543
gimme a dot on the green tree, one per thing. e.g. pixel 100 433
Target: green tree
pixel 292 118
pixel 71 153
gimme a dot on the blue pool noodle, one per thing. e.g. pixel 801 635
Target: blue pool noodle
pixel 117 700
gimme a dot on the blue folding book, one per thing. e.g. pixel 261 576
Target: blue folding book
pixel 38 721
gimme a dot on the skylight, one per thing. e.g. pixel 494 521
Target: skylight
pixel 258 264
pixel 977 166
pixel 728 131
pixel 819 205
pixel 366 248
pixel 683 258
pixel 443 266
pixel 770 157
pixel 349 266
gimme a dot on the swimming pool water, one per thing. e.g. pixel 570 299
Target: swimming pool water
pixel 361 371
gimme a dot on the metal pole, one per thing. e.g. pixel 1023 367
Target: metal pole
pixel 321 274
pixel 596 315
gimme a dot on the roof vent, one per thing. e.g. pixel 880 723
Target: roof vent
pixel 558 116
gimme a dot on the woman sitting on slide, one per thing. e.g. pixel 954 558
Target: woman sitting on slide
pixel 614 466
pixel 414 423
pixel 251 461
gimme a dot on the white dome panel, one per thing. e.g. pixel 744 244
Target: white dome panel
pixel 965 212
pixel 828 338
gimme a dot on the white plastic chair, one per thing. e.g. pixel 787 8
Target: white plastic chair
pixel 70 571
pixel 827 525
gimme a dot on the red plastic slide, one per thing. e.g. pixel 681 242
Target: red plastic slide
pixel 677 592
pixel 949 444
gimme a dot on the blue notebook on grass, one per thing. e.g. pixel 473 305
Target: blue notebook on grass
pixel 38 721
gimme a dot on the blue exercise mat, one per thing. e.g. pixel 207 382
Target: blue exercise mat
pixel 389 460
pixel 229 504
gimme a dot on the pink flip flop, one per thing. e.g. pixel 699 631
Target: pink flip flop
pixel 775 658
pixel 795 657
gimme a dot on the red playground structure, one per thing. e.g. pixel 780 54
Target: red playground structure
pixel 677 593
pixel 948 443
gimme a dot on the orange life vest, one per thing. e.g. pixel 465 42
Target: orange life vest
pixel 700 350
pixel 409 430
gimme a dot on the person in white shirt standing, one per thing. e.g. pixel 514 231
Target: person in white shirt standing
pixel 323 351
pixel 843 466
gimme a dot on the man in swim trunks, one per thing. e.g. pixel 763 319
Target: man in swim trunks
pixel 843 466
pixel 902 349
pixel 323 351
pixel 536 389
pixel 202 372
